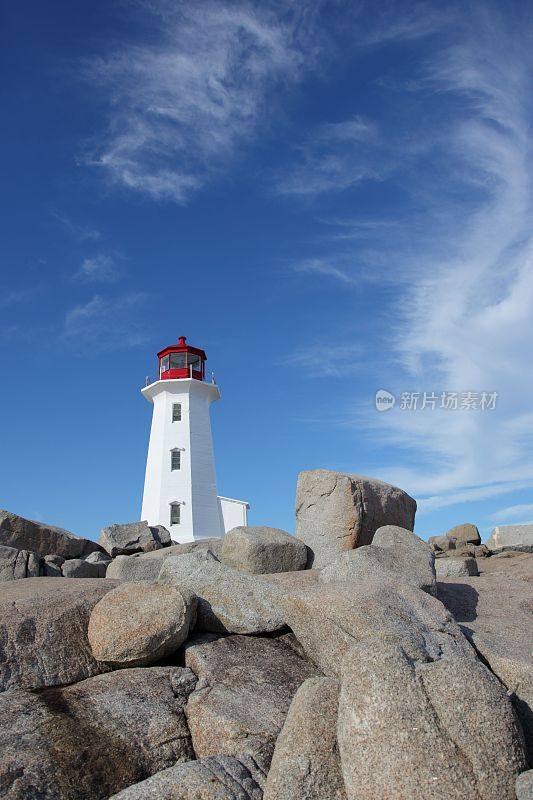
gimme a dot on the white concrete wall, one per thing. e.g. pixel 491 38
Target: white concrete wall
pixel 234 512
pixel 194 484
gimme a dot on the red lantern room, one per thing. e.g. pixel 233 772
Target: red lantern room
pixel 181 361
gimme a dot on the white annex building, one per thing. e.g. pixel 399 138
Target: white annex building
pixel 180 490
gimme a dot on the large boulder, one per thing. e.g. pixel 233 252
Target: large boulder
pixel 412 730
pixel 211 778
pixel 262 550
pixel 337 512
pixel 133 537
pixel 466 533
pixel 455 567
pixel 519 537
pixel 306 762
pixel 16 564
pixel 146 566
pixel 229 601
pixel 43 631
pixel 329 619
pixel 93 738
pixel 441 544
pixel 140 623
pixel 80 568
pixel 42 539
pixel 494 611
pixel 52 566
pixel 244 690
pixel 395 553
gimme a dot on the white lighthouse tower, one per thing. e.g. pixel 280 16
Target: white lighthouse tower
pixel 180 484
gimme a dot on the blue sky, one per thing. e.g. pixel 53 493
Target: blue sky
pixel 331 198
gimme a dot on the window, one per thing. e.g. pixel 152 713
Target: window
pixel 176 412
pixel 194 361
pixel 175 459
pixel 174 513
pixel 164 365
pixel 177 361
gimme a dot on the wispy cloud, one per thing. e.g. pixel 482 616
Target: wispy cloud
pixel 100 268
pixel 82 233
pixel 315 361
pixel 325 268
pixel 180 106
pixel 520 514
pixel 465 322
pixel 17 296
pixel 334 157
pixel 108 323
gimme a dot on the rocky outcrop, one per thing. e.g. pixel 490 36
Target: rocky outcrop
pixel 146 566
pixel 96 737
pixel 495 612
pixel 52 566
pixel 330 618
pixel 140 623
pixel 262 550
pixel 412 729
pixel 211 778
pixel 306 762
pixel 455 567
pixel 519 537
pixel 244 690
pixel 133 537
pixel 42 539
pixel 16 564
pixel 229 601
pixel 466 533
pixel 43 631
pixel 80 568
pixel 337 512
pixel 395 554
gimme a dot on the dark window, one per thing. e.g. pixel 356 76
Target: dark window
pixel 164 364
pixel 195 362
pixel 176 412
pixel 175 459
pixel 174 513
pixel 177 361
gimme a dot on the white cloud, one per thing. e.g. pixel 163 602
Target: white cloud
pixel 181 105
pixel 107 323
pixel 81 232
pixel 101 268
pixel 323 267
pixel 520 514
pixel 465 322
pixel 316 361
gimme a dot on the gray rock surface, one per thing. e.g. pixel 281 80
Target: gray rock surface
pixel 133 537
pixel 42 539
pixel 262 550
pixel 52 566
pixel 16 564
pixel 79 568
pixel 395 554
pixel 229 601
pixel 94 738
pixel 306 762
pixel 146 566
pixel 43 631
pixel 337 512
pixel 511 536
pixel 466 533
pixel 412 730
pixel 140 623
pixel 211 778
pixel 245 687
pixel 495 611
pixel 441 543
pixel 330 618
pixel 524 786
pixel 455 567
pixel 98 557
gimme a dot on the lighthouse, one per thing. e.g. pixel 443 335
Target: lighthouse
pixel 180 490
